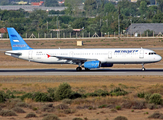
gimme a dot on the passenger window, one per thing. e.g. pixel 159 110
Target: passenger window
pixel 152 53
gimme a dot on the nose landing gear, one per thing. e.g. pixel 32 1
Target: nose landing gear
pixel 143 68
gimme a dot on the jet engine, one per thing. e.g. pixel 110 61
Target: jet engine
pixel 92 64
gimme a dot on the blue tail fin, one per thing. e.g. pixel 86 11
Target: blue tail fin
pixel 17 42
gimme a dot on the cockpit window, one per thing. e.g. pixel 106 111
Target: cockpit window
pixel 152 53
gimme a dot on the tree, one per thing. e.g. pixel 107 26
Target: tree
pixel 79 23
pixel 51 3
pixel 160 5
pixel 4 2
pixel 69 10
pixel 152 10
pixel 158 18
pixel 90 7
pixel 148 32
pixel 139 1
pixel 39 18
pixel 127 8
pixel 93 25
pixel 73 7
pixel 143 7
pixel 109 7
pixel 65 19
pixel 38 14
pixel 105 29
pixel 5 14
pixel 63 91
pixel 100 9
pixel 92 28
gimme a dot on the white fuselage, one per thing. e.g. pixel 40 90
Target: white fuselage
pixel 115 55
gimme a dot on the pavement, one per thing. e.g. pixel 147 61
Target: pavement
pixel 72 72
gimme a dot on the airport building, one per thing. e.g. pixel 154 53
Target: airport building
pixel 30 7
pixel 140 28
pixel 2 32
pixel 37 3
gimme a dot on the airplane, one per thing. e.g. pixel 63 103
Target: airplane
pixel 86 58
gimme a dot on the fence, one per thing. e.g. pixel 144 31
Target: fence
pixel 59 35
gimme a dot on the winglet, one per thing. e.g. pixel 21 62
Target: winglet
pixel 17 42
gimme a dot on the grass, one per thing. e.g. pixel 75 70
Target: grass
pixel 18 110
pixel 87 84
pixel 82 84
pixel 156 115
pixel 89 43
pixel 87 107
pixel 51 117
pixel 30 115
pixel 118 107
pixel 7 113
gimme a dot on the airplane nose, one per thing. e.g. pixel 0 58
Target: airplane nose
pixel 159 58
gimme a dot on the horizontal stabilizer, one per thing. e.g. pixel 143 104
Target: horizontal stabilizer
pixel 13 54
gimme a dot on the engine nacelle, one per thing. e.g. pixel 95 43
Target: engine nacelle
pixel 92 64
pixel 106 64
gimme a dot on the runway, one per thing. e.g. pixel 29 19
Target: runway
pixel 71 72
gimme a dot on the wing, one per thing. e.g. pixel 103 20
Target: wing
pixel 75 60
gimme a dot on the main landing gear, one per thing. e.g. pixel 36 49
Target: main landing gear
pixel 86 69
pixel 143 68
pixel 78 69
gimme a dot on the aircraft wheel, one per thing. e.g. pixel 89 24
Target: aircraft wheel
pixel 143 69
pixel 78 69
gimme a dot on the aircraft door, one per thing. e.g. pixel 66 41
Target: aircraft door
pixel 71 54
pixel 141 54
pixel 110 54
pixel 30 55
